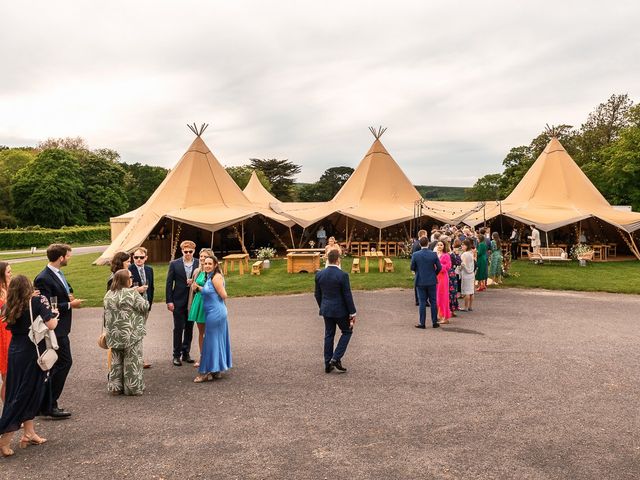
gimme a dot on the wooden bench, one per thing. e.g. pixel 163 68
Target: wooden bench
pixel 355 266
pixel 549 254
pixel 256 268
pixel 587 257
pixel 388 265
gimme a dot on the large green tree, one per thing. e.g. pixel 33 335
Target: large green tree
pixel 241 175
pixel 486 188
pixel 141 181
pixel 326 188
pixel 48 191
pixel 11 161
pixel 281 174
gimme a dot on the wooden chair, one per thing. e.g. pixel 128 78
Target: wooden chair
pixel 355 249
pixel 364 247
pixel 392 249
pixel 355 266
pixel 382 247
pixel 524 250
pixel 388 265
pixel 612 249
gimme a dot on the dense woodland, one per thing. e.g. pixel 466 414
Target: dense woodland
pixel 64 182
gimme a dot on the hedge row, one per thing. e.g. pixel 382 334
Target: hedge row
pixel 19 238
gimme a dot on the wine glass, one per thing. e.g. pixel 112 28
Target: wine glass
pixel 53 301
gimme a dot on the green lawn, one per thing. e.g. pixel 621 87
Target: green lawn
pixel 89 281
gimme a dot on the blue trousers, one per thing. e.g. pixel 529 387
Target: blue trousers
pixel 427 293
pixel 330 324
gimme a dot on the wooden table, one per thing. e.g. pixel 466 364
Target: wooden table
pixel 600 251
pixel 305 250
pixel 241 258
pixel 368 255
pixel 303 262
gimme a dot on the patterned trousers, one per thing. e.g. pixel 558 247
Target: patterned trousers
pixel 125 374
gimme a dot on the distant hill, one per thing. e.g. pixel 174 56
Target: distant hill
pixel 451 194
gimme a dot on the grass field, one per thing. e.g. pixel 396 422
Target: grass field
pixel 89 281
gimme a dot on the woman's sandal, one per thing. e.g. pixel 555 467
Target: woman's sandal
pixel 203 378
pixel 26 441
pixel 6 451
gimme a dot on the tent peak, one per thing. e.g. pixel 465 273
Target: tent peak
pixel 377 133
pixel 198 131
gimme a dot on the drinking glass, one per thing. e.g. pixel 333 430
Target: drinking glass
pixel 135 284
pixel 53 301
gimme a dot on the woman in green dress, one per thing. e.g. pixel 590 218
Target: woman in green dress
pixel 196 311
pixel 495 270
pixel 481 261
pixel 125 316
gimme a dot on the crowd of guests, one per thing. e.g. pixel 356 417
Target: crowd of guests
pixel 448 264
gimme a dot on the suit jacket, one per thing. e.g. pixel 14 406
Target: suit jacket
pixel 148 273
pixel 416 246
pixel 51 286
pixel 427 266
pixel 333 293
pixel 177 291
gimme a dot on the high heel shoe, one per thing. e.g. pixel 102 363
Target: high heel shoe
pixel 6 451
pixel 35 440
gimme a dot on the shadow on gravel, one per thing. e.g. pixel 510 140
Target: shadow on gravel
pixel 461 330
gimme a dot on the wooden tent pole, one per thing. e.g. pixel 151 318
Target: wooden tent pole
pixel 379 237
pixel 346 233
pixel 293 243
pixel 634 247
pixel 211 240
pixel 302 237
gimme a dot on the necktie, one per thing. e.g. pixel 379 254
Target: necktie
pixel 142 277
pixel 64 280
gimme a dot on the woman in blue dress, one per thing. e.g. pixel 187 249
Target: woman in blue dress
pixel 216 348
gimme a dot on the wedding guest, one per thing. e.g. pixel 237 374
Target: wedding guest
pixel 177 296
pixel 321 235
pixel 25 379
pixel 143 279
pixel 125 316
pixel 481 260
pixel 442 289
pixel 514 239
pixel 332 245
pixel 415 247
pixel 119 261
pixel 216 347
pixel 454 277
pixel 195 307
pixel 5 333
pixel 467 275
pixel 495 271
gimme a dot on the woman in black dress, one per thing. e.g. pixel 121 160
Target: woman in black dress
pixel 25 379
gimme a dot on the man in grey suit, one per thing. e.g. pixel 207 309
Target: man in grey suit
pixel 426 265
pixel 333 294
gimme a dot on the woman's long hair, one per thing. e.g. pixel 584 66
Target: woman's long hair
pixel 120 280
pixel 18 298
pixel 216 268
pixel 3 279
pixel 117 262
pixel 496 238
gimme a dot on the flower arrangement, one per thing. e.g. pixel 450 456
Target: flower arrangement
pixel 580 250
pixel 265 253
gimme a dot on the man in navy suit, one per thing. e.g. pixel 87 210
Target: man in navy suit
pixel 416 248
pixel 52 283
pixel 177 295
pixel 426 265
pixel 142 274
pixel 333 294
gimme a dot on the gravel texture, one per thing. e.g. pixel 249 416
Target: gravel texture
pixel 531 385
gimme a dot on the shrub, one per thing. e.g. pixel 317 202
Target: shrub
pixel 42 237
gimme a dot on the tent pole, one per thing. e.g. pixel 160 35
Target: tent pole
pixel 546 234
pixel 211 240
pixel 173 250
pixel 242 228
pixel 346 232
pixel 379 237
pixel 302 237
pixel 634 248
pixel 293 243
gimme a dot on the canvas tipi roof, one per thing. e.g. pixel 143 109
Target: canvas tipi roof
pixel 197 191
pixel 555 192
pixel 262 199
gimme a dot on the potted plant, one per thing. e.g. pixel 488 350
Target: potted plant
pixel 265 254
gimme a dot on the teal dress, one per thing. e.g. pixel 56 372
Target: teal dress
pixel 196 314
pixel 482 271
pixel 495 270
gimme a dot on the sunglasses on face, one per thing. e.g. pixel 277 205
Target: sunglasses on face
pixel 187 251
pixel 136 257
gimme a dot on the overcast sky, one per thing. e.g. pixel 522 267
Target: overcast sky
pixel 456 83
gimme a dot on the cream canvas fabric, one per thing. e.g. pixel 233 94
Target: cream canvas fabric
pixel 262 199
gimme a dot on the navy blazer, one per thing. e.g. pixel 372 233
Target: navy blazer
pixel 333 293
pixel 148 273
pixel 177 291
pixel 426 264
pixel 51 286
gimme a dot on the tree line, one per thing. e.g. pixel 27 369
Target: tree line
pixel 606 147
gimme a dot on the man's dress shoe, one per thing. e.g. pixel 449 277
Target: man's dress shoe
pixel 57 413
pixel 420 326
pixel 337 365
pixel 328 368
pixel 177 362
pixel 187 358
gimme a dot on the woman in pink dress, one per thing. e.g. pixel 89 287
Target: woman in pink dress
pixel 442 291
pixel 5 335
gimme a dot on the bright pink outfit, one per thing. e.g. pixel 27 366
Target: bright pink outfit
pixel 5 340
pixel 442 292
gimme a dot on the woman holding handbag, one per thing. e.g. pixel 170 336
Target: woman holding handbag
pixel 25 378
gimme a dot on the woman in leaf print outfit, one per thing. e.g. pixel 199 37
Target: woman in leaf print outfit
pixel 125 314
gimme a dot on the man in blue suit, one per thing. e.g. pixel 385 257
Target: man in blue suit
pixel 426 265
pixel 333 294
